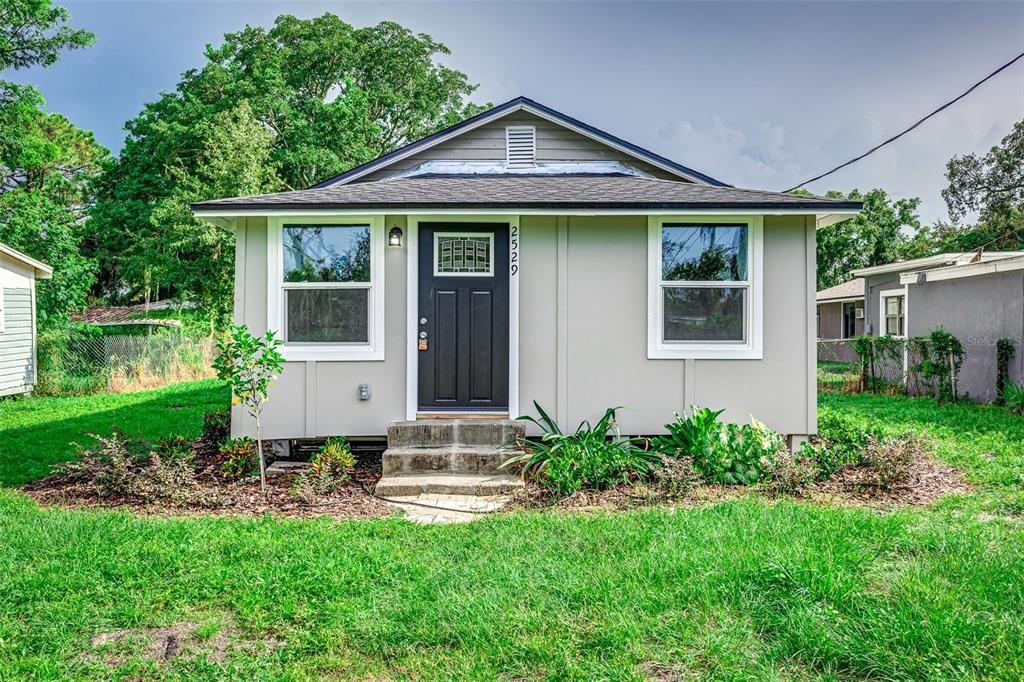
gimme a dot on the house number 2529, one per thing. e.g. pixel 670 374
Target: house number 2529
pixel 514 251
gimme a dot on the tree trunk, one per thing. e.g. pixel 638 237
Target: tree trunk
pixel 259 451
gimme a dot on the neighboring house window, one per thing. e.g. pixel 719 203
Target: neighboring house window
pixel 849 319
pixel 328 299
pixel 893 313
pixel 705 295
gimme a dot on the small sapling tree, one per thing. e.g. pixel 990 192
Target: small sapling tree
pixel 250 364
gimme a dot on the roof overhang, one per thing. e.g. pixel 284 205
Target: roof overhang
pixel 513 106
pixel 960 271
pixel 211 213
pixel 938 261
pixel 844 299
pixel 41 269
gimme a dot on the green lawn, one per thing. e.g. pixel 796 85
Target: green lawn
pixel 38 432
pixel 743 590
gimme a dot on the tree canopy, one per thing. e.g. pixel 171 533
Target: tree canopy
pixel 272 109
pixel 46 164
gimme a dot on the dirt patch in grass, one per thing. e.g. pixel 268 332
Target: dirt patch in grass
pixel 926 482
pixel 186 641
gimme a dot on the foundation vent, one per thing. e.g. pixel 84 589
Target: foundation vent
pixel 520 146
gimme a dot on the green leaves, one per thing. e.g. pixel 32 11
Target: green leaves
pixel 249 364
pixel 33 33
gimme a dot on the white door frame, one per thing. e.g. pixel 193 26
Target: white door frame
pixel 412 304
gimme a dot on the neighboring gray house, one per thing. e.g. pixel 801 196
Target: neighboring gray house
pixel 976 297
pixel 18 274
pixel 841 311
pixel 523 255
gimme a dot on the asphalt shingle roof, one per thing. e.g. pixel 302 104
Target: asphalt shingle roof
pixel 578 191
pixel 852 289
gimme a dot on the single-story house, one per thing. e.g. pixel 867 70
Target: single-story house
pixel 523 255
pixel 977 297
pixel 18 274
pixel 841 310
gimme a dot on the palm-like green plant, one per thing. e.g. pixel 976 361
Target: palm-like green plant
pixel 593 456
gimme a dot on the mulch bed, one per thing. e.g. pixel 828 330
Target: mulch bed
pixel 927 481
pixel 215 496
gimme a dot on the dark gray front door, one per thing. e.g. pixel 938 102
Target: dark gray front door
pixel 462 332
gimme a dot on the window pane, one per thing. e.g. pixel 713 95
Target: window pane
pixel 892 305
pixel 704 314
pixel 327 315
pixel 892 326
pixel 704 253
pixel 327 253
pixel 463 254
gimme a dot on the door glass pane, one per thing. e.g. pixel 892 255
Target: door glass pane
pixel 463 254
pixel 704 253
pixel 327 315
pixel 326 253
pixel 704 314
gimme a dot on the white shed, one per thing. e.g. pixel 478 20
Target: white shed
pixel 18 274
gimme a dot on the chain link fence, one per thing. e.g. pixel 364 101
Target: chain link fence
pixel 119 363
pixel 889 365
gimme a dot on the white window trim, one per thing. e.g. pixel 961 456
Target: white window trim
pixel 753 347
pixel 490 258
pixel 371 351
pixel 891 293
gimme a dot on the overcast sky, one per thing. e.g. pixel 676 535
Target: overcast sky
pixel 756 94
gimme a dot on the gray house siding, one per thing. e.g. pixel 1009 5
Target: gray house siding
pixel 582 336
pixel 554 142
pixel 979 311
pixel 17 358
pixel 873 286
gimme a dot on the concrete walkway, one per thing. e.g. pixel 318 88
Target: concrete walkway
pixel 447 508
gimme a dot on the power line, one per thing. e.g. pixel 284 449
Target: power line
pixel 898 136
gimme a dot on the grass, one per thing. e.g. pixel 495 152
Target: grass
pixel 37 432
pixel 743 590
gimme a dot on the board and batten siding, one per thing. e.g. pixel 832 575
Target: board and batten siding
pixel 18 340
pixel 554 142
pixel 582 337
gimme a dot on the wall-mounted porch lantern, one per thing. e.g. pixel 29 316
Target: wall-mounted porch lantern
pixel 395 236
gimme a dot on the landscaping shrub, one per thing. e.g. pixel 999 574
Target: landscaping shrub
pixel 330 468
pixel 722 453
pixel 941 355
pixel 787 475
pixel 674 478
pixel 217 426
pixel 591 457
pixel 173 448
pixel 239 457
pixel 107 465
pixel 841 440
pixel 888 461
pixel 1013 397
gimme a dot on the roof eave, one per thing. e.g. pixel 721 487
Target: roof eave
pixel 256 208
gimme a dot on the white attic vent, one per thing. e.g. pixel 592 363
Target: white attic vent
pixel 520 146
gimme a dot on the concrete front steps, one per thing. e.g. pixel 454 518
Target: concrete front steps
pixel 449 457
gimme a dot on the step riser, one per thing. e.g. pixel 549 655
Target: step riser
pixel 444 461
pixel 491 434
pixel 400 487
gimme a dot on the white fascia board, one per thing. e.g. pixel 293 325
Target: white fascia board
pixel 959 271
pixel 42 270
pixel 849 299
pixel 238 213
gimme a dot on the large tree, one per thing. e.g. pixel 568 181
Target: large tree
pixel 46 163
pixel 876 235
pixel 272 109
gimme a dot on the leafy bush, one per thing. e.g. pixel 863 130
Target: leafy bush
pixel 108 465
pixel 217 426
pixel 673 479
pixel 1013 397
pixel 722 453
pixel 888 461
pixel 239 457
pixel 173 448
pixel 589 458
pixel 787 475
pixel 841 440
pixel 330 468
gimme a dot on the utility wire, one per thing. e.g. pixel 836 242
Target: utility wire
pixel 899 135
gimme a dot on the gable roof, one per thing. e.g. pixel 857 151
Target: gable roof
pixel 527 192
pixel 42 270
pixel 847 290
pixel 936 261
pixel 537 109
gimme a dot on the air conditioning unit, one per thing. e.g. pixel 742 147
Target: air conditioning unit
pixel 859 313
